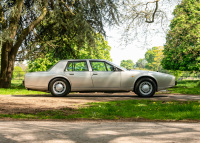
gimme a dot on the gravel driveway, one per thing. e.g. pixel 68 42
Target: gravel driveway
pixel 98 132
pixel 34 103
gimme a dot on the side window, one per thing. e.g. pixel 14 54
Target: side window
pixel 98 66
pixel 76 66
pixel 109 67
pixel 80 66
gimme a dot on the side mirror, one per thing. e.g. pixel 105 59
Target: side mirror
pixel 114 69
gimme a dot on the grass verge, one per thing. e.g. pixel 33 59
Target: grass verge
pixel 120 110
pixel 191 87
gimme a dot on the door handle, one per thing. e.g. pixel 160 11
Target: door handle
pixel 95 74
pixel 71 74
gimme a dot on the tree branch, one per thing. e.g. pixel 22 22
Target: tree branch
pixel 27 30
pixel 153 12
pixel 2 20
pixel 13 23
pixel 67 7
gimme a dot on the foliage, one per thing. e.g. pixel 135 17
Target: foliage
pixel 18 72
pixel 182 49
pixel 28 25
pixel 98 50
pixel 42 63
pixel 128 64
pixel 176 73
pixel 190 87
pixel 101 50
pixel 67 36
pixel 141 63
pixel 154 57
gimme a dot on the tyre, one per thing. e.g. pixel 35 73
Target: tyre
pixel 59 87
pixel 145 87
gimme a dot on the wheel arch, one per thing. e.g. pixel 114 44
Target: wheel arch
pixel 145 77
pixel 59 77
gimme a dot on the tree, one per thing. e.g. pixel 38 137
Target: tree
pixel 42 64
pixel 100 51
pixel 182 48
pixel 154 57
pixel 128 64
pixel 158 58
pixel 141 63
pixel 22 19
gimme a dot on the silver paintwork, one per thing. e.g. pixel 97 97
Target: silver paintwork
pixel 122 80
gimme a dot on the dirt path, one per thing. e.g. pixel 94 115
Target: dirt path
pixel 35 103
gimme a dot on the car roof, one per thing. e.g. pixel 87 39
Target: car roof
pixel 84 60
pixel 92 60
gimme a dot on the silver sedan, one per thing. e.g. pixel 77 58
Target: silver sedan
pixel 96 75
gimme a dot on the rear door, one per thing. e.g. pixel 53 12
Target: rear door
pixel 78 74
pixel 104 76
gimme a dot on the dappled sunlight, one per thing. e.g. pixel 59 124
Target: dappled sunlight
pixel 108 132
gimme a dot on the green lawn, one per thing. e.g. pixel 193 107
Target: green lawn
pixel 18 89
pixel 129 109
pixel 191 87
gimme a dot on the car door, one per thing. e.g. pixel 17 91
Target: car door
pixel 104 76
pixel 78 74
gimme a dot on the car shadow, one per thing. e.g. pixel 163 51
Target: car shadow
pixel 92 95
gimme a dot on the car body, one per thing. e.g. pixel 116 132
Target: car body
pixel 86 75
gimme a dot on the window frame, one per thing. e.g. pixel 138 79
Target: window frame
pixel 104 65
pixel 73 66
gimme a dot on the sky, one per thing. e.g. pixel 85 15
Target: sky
pixel 136 50
pixel 133 51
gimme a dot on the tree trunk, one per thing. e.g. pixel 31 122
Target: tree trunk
pixel 10 48
pixel 7 65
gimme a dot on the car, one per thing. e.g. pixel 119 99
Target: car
pixel 95 75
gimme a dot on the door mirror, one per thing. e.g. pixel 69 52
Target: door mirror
pixel 114 69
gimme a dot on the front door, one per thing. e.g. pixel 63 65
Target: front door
pixel 103 75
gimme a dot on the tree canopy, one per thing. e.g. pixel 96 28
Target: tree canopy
pixel 154 57
pixel 182 48
pixel 27 26
pixel 128 64
pixel 100 51
pixel 141 63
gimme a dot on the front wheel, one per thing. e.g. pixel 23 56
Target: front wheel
pixel 145 87
pixel 59 87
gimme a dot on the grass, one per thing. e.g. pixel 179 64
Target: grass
pixel 191 87
pixel 129 109
pixel 18 89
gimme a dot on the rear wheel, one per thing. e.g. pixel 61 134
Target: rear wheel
pixel 145 87
pixel 59 87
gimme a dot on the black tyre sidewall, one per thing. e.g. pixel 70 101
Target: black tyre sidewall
pixel 66 91
pixel 137 91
